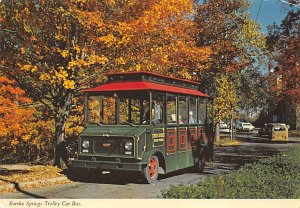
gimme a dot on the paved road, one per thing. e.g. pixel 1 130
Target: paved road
pixel 226 159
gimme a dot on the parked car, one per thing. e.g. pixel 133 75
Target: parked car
pixel 245 127
pixel 223 125
pixel 270 128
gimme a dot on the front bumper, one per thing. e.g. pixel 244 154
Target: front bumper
pixel 106 165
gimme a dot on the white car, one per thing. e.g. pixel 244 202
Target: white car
pixel 224 128
pixel 223 125
pixel 245 127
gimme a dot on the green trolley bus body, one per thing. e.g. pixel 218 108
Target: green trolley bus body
pixel 147 123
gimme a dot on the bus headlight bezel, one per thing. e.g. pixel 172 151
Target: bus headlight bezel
pixel 128 146
pixel 85 144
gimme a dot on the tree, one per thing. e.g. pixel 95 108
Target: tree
pixel 283 42
pixel 225 100
pixel 225 26
pixel 14 116
pixel 253 92
pixel 53 49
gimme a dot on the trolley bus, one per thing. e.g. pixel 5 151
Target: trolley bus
pixel 145 122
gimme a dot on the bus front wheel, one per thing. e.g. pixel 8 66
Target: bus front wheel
pixel 150 172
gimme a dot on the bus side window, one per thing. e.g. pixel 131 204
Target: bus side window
pixel 182 110
pixel 202 111
pixel 171 109
pixel 193 110
pixel 158 106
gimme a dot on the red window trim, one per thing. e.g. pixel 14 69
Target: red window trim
pixel 182 139
pixel 171 141
pixel 193 138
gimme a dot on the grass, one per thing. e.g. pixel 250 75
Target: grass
pixel 275 177
pixel 226 141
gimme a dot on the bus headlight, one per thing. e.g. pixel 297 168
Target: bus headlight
pixel 128 146
pixel 85 144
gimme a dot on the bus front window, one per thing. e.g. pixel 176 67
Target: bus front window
pixel 134 108
pixel 108 110
pixel 93 107
pixel 101 110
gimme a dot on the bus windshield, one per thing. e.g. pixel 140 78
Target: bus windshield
pixel 119 108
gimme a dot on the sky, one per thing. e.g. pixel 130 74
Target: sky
pixel 270 11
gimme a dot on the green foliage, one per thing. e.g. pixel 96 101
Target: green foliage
pixel 253 91
pixel 275 177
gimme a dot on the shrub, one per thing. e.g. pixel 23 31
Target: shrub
pixel 274 177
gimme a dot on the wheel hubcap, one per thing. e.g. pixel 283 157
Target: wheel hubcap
pixel 152 168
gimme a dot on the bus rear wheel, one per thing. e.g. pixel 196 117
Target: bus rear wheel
pixel 200 163
pixel 150 172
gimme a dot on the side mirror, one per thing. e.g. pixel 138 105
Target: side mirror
pixel 288 126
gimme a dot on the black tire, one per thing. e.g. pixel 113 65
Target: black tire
pixel 150 172
pixel 200 162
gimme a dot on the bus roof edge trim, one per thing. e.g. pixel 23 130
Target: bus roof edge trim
pixel 142 85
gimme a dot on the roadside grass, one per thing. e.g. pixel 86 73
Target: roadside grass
pixel 275 177
pixel 226 141
pixel 15 174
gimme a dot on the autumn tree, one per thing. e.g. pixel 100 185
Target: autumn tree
pixel 283 42
pixel 235 40
pixel 14 116
pixel 225 101
pixel 56 48
pixel 13 112
pixel 24 130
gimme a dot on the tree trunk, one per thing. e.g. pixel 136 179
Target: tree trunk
pixel 61 116
pixel 231 127
pixel 217 132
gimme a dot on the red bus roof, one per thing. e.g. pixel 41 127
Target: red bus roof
pixel 143 85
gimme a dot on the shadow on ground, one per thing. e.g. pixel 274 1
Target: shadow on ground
pixel 238 156
pixel 116 178
pixel 226 159
pixel 8 172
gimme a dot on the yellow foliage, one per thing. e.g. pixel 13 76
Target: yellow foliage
pixel 44 77
pixel 109 40
pixel 26 67
pixel 77 48
pixel 72 64
pixel 22 50
pixel 64 53
pixel 138 67
pixel 33 69
pixel 97 59
pixel 120 60
pixel 225 101
pixel 69 84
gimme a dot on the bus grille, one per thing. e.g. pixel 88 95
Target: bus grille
pixel 110 146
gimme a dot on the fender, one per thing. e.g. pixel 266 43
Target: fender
pixel 147 154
